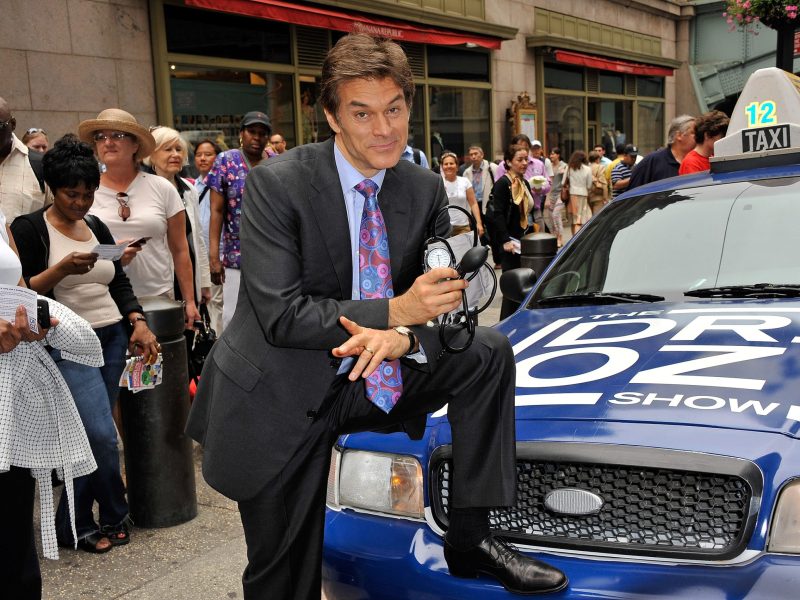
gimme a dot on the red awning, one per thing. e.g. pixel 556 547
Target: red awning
pixel 608 64
pixel 322 18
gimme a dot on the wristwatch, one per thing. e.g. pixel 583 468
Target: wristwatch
pixel 136 319
pixel 412 339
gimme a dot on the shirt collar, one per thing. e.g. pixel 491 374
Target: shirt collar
pixel 349 176
pixel 16 144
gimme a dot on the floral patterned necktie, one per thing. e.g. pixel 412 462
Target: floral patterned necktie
pixel 385 385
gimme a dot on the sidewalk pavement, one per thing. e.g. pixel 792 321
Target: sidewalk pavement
pixel 199 560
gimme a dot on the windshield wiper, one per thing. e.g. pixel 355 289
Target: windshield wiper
pixel 600 298
pixel 755 290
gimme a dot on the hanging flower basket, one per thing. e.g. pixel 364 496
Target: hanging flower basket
pixel 775 14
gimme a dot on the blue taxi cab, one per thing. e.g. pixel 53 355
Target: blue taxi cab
pixel 658 401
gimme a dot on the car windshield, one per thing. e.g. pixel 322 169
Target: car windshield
pixel 669 244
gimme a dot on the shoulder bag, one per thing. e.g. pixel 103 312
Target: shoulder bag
pixel 565 187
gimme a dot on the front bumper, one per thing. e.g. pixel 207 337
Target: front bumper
pixel 368 556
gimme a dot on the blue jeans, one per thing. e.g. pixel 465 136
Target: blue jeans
pixel 95 391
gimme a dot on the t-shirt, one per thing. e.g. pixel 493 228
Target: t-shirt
pixel 694 162
pixel 457 196
pixel 10 267
pixel 152 200
pixel 619 172
pixel 87 294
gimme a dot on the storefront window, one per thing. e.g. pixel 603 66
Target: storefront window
pixel 650 86
pixel 650 123
pixel 451 63
pixel 611 83
pixel 314 126
pixel 207 33
pixel 563 78
pixel 210 103
pixel 458 117
pixel 610 124
pixel 564 127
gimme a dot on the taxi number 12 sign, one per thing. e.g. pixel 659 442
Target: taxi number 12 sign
pixel 765 138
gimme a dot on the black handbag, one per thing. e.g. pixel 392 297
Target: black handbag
pixel 203 341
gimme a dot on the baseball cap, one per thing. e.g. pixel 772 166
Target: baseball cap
pixel 630 150
pixel 536 143
pixel 256 117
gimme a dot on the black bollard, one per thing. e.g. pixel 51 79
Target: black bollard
pixel 538 249
pixel 158 454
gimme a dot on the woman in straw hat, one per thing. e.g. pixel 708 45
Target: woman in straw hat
pixel 136 205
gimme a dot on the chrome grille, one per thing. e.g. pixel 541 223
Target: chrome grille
pixel 655 509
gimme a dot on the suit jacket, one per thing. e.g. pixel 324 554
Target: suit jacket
pixel 267 376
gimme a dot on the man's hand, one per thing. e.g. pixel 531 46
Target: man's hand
pixel 433 293
pixel 371 346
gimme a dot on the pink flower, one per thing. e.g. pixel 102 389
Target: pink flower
pixel 746 4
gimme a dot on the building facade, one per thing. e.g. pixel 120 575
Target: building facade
pixel 603 71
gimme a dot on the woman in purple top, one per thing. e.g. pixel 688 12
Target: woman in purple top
pixel 226 182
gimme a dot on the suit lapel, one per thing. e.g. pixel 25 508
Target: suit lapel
pixel 328 207
pixel 393 201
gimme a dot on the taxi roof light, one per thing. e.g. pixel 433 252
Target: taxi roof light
pixel 762 130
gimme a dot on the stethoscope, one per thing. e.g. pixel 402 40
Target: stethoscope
pixel 442 255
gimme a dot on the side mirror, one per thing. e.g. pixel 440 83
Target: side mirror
pixel 516 284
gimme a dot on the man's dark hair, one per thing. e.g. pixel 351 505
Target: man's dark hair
pixel 69 163
pixel 521 137
pixel 214 145
pixel 556 151
pixel 360 56
pixel 710 124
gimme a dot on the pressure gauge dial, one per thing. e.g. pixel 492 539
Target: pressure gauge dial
pixel 437 256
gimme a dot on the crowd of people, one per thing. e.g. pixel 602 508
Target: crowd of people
pixel 117 180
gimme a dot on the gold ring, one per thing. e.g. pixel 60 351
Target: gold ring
pixel 370 350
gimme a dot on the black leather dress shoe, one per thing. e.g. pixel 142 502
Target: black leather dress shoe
pixel 518 573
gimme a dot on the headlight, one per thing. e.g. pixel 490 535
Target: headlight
pixel 388 483
pixel 785 532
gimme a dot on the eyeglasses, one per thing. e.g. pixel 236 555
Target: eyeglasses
pixel 116 136
pixel 34 130
pixel 4 124
pixel 124 210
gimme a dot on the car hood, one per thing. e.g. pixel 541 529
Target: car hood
pixel 726 364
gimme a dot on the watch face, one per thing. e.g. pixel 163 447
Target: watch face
pixel 437 257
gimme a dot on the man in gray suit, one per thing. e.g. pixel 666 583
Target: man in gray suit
pixel 288 375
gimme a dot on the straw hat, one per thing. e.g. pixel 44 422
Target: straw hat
pixel 118 120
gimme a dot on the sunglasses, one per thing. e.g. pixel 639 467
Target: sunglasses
pixel 116 136
pixel 124 210
pixel 34 130
pixel 4 124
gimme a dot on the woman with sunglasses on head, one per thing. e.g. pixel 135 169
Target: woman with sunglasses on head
pixel 141 206
pixel 36 139
pixel 226 180
pixel 55 245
